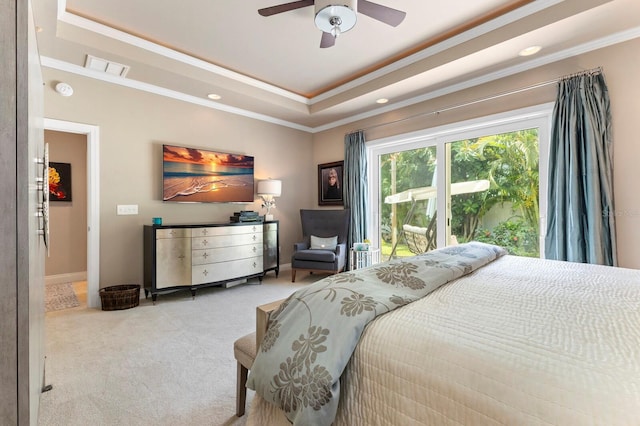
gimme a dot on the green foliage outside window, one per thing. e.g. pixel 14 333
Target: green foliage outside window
pixel 509 161
pixel 516 236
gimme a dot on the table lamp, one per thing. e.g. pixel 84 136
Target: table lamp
pixel 267 190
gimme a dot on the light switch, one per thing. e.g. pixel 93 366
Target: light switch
pixel 127 209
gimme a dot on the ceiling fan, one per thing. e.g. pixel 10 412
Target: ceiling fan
pixel 336 17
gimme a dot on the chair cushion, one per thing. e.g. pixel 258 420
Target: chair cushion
pixel 244 350
pixel 318 243
pixel 315 255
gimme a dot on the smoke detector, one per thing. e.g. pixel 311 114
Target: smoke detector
pixel 64 89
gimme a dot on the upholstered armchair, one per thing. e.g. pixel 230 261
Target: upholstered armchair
pixel 324 245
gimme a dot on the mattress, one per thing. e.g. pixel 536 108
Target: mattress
pixel 519 341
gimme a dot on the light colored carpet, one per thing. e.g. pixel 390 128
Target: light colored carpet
pixel 60 296
pixel 165 364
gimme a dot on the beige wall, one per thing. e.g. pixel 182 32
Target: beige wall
pixel 621 64
pixel 134 125
pixel 68 220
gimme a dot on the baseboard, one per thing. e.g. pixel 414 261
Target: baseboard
pixel 65 278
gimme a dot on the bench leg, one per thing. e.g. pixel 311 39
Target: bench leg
pixel 241 390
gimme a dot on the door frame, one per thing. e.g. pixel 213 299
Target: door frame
pixel 93 201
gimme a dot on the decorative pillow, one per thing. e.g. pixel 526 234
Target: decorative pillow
pixel 318 243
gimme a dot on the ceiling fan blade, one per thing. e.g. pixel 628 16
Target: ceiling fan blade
pixel 327 40
pixel 286 7
pixel 381 13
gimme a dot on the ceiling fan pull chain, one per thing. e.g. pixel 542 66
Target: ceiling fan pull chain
pixel 335 21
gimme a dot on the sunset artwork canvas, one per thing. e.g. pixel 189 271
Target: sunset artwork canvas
pixel 202 176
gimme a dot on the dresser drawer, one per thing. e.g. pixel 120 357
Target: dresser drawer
pixel 225 271
pixel 216 241
pixel 226 230
pixel 225 254
pixel 173 262
pixel 173 233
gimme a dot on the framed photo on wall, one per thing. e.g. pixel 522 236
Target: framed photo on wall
pixel 330 184
pixel 59 181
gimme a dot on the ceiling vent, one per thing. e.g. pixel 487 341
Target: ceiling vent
pixel 110 67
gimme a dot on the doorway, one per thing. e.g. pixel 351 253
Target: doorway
pixel 93 201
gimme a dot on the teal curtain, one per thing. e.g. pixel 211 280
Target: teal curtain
pixel 580 213
pixel 355 184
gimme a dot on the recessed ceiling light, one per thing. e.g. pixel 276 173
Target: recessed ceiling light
pixel 38 29
pixel 531 50
pixel 214 96
pixel 382 101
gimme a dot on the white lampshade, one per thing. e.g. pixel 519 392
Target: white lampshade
pixel 271 187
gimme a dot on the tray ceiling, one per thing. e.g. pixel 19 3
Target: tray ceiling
pixel 272 68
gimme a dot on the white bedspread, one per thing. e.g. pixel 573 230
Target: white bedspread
pixel 518 342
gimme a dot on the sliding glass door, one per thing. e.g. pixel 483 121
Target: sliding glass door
pixel 408 201
pixel 477 180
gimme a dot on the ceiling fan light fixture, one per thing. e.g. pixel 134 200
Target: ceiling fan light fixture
pixel 335 19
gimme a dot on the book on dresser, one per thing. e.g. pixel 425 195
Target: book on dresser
pixel 192 256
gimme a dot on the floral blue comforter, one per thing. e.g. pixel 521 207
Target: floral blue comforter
pixel 311 337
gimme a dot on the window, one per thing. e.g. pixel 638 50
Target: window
pixel 481 180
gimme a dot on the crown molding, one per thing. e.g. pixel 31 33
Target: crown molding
pixel 613 39
pixel 121 36
pixel 150 88
pixel 104 30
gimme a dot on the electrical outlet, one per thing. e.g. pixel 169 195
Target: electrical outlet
pixel 127 209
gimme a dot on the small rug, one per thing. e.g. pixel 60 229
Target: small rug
pixel 60 296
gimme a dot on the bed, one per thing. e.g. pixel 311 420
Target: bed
pixel 506 340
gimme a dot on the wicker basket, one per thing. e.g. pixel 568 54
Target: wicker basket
pixel 119 297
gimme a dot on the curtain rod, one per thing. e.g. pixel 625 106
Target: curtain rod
pixel 488 98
